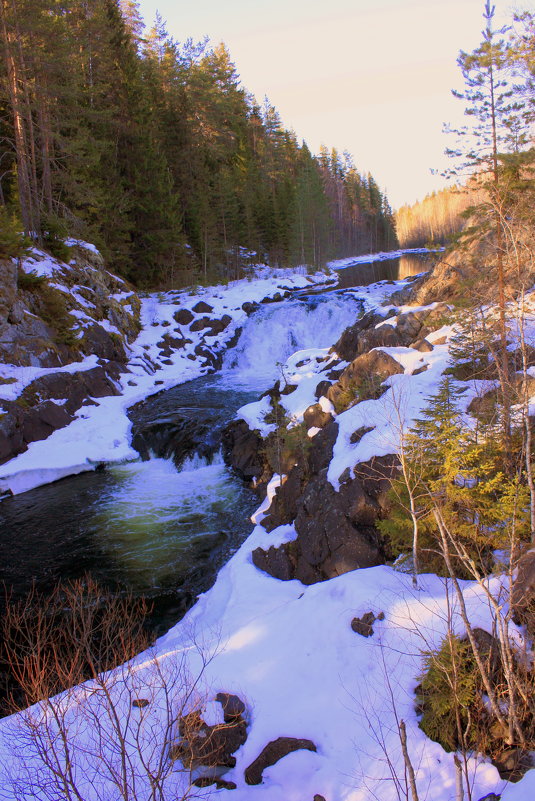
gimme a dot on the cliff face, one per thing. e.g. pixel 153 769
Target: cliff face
pixel 76 319
pixel 468 273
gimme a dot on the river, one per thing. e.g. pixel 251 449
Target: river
pixel 163 527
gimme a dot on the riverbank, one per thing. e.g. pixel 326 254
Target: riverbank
pixel 183 336
pixel 331 665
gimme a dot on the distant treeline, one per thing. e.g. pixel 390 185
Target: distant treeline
pixel 154 151
pixel 435 219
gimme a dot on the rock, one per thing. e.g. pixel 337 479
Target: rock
pixel 201 744
pixel 320 451
pixel 420 370
pixel 322 389
pixel 233 706
pixel 17 312
pixel 202 322
pixel 364 625
pixel 386 336
pixel 409 324
pixel 357 435
pixel 233 341
pixel 512 763
pixel 202 308
pixel 335 530
pixel 249 307
pixel 362 379
pixel 523 595
pixel 34 415
pixel 243 450
pixel 422 345
pixel 98 341
pixel 276 562
pixel 53 415
pixel 284 504
pixel 272 753
pixel 288 389
pixel 169 344
pixel 217 326
pixel 183 316
pixel 347 346
pixel 8 287
pixel 277 297
pixel 315 417
pixel 211 359
pixel 221 784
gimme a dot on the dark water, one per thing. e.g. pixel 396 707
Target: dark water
pixel 385 270
pixel 145 526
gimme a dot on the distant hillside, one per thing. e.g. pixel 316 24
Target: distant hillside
pixel 435 219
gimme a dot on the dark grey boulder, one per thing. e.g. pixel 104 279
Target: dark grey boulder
pixel 202 308
pixel 183 316
pixel 272 753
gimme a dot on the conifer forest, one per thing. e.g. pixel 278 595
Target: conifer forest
pixel 267 455
pixel 153 150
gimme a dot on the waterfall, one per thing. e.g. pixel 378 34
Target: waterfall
pixel 272 334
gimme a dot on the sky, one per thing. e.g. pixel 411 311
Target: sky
pixel 373 77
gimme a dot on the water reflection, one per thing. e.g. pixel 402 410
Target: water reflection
pixel 385 270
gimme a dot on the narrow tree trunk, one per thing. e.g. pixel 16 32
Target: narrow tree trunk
pixel 407 759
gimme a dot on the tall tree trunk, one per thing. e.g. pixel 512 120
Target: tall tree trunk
pixel 14 80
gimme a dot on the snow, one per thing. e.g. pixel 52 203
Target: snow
pixel 101 433
pixel 391 414
pixel 289 652
pixel 287 649
pixel 81 244
pixel 275 481
pixel 254 415
pixel 41 264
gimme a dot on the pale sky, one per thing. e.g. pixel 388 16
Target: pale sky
pixel 370 76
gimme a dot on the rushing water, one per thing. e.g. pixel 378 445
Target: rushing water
pixel 148 526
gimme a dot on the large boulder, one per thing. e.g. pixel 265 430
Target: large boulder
pixel 335 530
pixel 183 316
pixel 348 346
pixel 49 403
pixel 243 451
pixel 211 746
pixel 362 379
pixel 315 417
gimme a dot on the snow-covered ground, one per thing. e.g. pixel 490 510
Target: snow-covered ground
pixel 101 433
pixel 286 649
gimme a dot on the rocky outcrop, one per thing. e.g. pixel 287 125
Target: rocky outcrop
pixel 272 753
pixel 243 450
pixel 76 310
pixel 50 403
pixel 362 379
pixel 53 314
pixel 355 339
pixel 336 531
pixel 407 328
pixel 208 748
